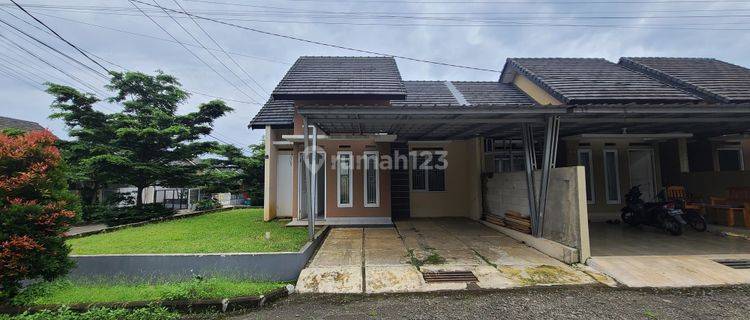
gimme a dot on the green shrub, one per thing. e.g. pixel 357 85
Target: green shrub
pixel 207 204
pixel 36 209
pixel 133 214
pixel 97 314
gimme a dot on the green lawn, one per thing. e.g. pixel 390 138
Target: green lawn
pixel 67 292
pixel 240 230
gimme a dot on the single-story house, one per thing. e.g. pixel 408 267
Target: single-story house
pixel 652 122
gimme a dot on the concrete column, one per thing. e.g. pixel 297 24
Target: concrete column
pixel 269 177
pixel 682 154
pixel 476 149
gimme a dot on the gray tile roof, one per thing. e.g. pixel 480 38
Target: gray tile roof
pixel 277 113
pixel 426 92
pixel 419 93
pixel 711 79
pixel 338 77
pixel 492 93
pixel 11 123
pixel 586 80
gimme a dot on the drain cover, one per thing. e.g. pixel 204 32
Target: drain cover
pixel 449 276
pixel 735 263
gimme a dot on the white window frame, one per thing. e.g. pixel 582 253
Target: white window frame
pixel 351 179
pixel 589 173
pixel 739 152
pixel 617 176
pixel 377 179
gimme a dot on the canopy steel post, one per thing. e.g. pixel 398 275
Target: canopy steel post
pixel 528 147
pixel 550 152
pixel 314 183
pixel 305 160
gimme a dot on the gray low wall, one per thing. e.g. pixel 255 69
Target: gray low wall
pixel 565 220
pixel 279 266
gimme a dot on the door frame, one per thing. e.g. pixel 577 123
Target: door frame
pixel 652 151
pixel 299 185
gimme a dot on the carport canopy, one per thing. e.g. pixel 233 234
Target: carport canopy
pixel 455 122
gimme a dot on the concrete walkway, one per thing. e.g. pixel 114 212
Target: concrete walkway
pixel 378 260
pixel 85 228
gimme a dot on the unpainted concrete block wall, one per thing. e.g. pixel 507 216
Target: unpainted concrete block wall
pixel 565 219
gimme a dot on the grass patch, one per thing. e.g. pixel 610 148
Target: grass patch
pixel 98 314
pixel 433 258
pixel 66 292
pixel 240 230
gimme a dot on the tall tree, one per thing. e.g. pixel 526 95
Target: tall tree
pixel 147 143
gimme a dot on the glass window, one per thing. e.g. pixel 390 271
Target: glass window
pixel 611 176
pixel 584 160
pixel 372 192
pixel 344 173
pixel 729 159
pixel 428 172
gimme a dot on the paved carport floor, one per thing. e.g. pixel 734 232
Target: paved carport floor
pixel 376 260
pixel 648 257
pixel 623 240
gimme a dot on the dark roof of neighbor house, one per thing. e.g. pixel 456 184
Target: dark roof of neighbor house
pixel 711 79
pixel 418 93
pixel 593 80
pixel 341 77
pixel 11 123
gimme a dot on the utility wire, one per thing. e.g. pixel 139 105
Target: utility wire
pixel 125 68
pixel 222 49
pixel 328 44
pixel 210 52
pixel 59 36
pixel 53 49
pixel 49 64
pixel 186 48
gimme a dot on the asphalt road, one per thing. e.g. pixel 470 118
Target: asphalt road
pixel 582 302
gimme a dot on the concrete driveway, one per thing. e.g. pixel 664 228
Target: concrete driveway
pixel 377 260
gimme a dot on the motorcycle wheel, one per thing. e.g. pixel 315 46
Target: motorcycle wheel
pixel 629 218
pixel 697 222
pixel 672 226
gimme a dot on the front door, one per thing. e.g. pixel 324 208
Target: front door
pixel 302 195
pixel 642 172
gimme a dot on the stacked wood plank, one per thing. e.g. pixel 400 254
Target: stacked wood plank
pixel 494 219
pixel 516 221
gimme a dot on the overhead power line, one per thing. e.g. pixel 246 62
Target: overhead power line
pixel 324 43
pixel 222 49
pixel 186 48
pixel 209 51
pixel 59 36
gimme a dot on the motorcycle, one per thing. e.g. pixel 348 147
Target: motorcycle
pixel 665 215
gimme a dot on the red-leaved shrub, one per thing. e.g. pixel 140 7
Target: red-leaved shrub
pixel 36 209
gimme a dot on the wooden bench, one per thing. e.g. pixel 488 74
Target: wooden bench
pixel 679 193
pixel 735 205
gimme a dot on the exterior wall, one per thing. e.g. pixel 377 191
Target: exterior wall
pixel 534 91
pixel 269 177
pixel 600 210
pixel 462 195
pixel 358 209
pixel 565 220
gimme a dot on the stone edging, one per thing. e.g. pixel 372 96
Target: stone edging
pixel 215 305
pixel 155 220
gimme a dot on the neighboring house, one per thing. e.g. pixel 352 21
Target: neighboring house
pixel 647 121
pixel 11 123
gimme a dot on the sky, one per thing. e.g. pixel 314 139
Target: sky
pixel 474 33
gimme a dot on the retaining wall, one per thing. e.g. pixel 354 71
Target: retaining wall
pixel 274 266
